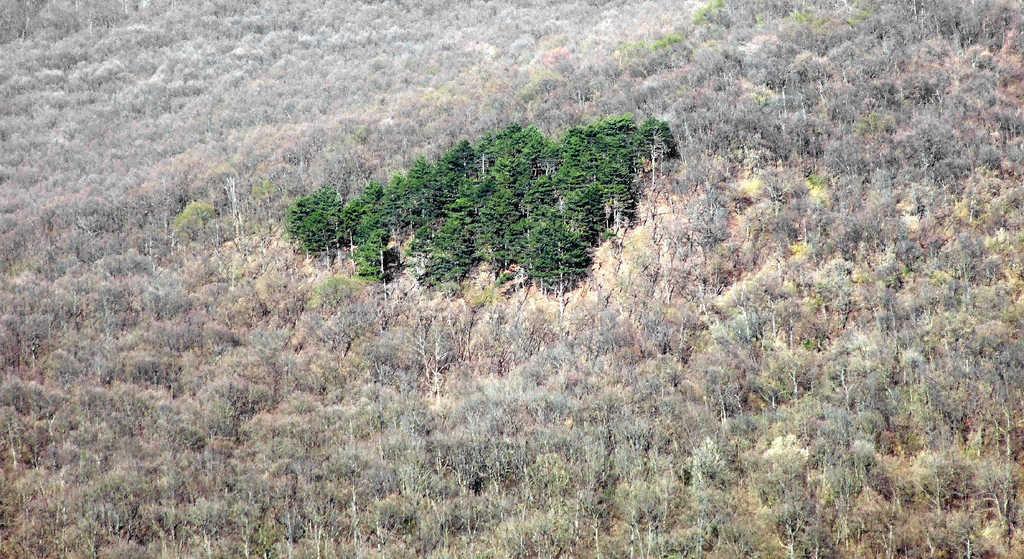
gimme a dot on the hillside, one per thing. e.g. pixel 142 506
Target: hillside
pixel 806 343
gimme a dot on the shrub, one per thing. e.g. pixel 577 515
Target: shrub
pixel 705 13
pixel 194 218
pixel 333 291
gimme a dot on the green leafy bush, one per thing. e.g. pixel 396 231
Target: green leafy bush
pixel 334 291
pixel 193 218
pixel 667 41
pixel 704 14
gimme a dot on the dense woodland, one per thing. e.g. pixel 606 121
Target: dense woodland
pixel 806 343
pixel 513 200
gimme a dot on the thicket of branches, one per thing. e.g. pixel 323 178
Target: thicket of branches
pixel 808 344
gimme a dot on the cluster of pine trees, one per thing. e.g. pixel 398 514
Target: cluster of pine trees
pixel 515 200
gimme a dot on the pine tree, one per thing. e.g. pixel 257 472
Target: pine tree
pixel 585 213
pixel 498 228
pixel 541 194
pixel 555 257
pixel 656 137
pixel 314 220
pixel 513 173
pixel 603 152
pixel 457 163
pixel 513 198
pixel 451 253
pixel 397 204
pixel 355 211
pixel 425 193
pixel 374 259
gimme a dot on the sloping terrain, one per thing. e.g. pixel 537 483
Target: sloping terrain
pixel 808 346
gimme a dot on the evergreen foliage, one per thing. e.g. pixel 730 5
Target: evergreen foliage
pixel 314 221
pixel 515 199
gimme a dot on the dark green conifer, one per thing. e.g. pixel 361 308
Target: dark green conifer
pixel 585 213
pixel 513 198
pixel 374 259
pixel 554 256
pixel 313 220
pixel 452 252
pixel 498 230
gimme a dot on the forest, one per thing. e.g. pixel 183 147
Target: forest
pixel 775 313
pixel 514 199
